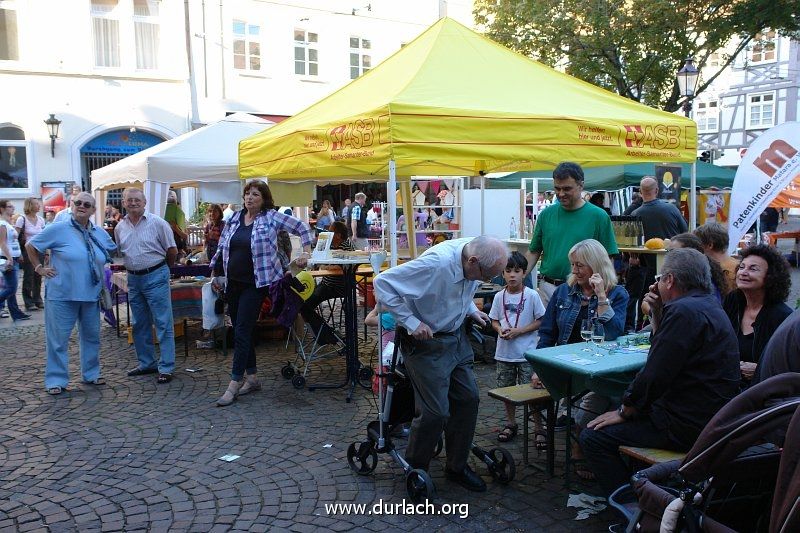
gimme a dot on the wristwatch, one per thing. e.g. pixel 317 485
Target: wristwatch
pixel 622 414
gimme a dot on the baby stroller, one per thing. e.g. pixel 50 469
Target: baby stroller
pixel 728 478
pixel 395 408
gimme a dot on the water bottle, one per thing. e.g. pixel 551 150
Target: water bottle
pixel 529 228
pixel 512 229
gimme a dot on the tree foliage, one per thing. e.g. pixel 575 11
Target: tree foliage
pixel 634 47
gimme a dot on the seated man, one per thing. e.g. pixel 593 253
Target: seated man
pixel 782 353
pixel 328 287
pixel 692 370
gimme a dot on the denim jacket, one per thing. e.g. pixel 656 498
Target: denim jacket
pixel 563 308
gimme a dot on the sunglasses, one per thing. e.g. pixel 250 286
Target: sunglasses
pixel 82 203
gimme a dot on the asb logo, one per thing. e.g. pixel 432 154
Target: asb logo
pixel 354 135
pixel 773 158
pixel 659 137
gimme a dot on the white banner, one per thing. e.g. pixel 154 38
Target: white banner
pixel 768 167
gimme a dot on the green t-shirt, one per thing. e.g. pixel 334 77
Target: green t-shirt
pixel 558 230
pixel 175 214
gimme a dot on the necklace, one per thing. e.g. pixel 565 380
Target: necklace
pixel 520 307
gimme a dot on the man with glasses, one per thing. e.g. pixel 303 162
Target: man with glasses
pixel 429 298
pixel 148 247
pixel 692 370
pixel 562 225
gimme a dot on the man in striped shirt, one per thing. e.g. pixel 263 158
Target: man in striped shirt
pixel 148 247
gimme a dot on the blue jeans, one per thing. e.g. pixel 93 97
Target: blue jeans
pixel 151 304
pixel 601 449
pixel 244 306
pixel 59 319
pixel 9 293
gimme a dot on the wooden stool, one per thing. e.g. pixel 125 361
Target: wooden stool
pixel 651 456
pixel 528 397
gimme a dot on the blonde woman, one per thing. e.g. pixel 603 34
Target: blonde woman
pixel 30 225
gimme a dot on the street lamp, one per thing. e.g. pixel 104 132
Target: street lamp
pixel 52 128
pixel 687 81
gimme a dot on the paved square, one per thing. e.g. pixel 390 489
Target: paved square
pixel 134 455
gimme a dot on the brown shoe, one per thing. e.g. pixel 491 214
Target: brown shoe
pixel 251 384
pixel 230 394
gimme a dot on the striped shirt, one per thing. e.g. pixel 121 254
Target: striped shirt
pixel 145 244
pixel 263 243
pixel 337 282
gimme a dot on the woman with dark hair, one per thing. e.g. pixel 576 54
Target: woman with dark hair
pixel 213 229
pixel 247 256
pixel 599 199
pixel 756 308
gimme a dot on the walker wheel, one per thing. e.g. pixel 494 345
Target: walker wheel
pixel 419 486
pixel 501 465
pixel 364 375
pixel 439 445
pixel 362 460
pixel 287 371
pixel 298 382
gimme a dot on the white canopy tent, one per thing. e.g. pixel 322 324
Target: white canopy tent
pixel 206 158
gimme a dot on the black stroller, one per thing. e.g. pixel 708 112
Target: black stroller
pixel 727 480
pixel 396 408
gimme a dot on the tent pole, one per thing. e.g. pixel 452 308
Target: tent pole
pixel 408 215
pixel 693 198
pixel 483 188
pixel 391 197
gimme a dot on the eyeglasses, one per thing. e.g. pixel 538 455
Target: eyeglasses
pixel 484 277
pixel 82 203
pixel 658 277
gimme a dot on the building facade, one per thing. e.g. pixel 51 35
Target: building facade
pixel 123 75
pixel 759 90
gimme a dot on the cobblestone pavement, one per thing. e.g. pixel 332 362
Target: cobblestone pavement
pixel 134 455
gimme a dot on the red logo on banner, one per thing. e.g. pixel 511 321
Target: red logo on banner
pixel 773 158
pixel 660 137
pixel 356 134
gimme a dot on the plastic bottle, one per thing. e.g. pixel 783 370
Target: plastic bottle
pixel 529 228
pixel 512 229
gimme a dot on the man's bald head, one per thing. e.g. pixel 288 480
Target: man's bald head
pixel 648 188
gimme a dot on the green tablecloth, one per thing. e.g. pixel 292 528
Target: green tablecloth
pixel 608 374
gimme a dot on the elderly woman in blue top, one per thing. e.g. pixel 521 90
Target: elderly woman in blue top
pixel 248 257
pixel 78 251
pixel 591 292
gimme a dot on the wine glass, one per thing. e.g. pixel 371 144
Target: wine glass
pixel 586 332
pixel 598 335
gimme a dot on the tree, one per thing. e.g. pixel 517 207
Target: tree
pixel 634 47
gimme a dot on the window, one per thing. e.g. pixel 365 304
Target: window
pixel 306 60
pixel 707 117
pixel 761 110
pixel 246 46
pixel 763 48
pixel 105 29
pixel 13 158
pixel 360 61
pixel 8 31
pixel 146 29
pixel 714 60
pixel 111 31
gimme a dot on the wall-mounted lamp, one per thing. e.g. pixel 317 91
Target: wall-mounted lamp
pixel 52 128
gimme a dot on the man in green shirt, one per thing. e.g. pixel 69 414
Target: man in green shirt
pixel 562 225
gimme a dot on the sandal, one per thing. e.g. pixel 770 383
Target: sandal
pixel 582 470
pixel 507 433
pixel 540 440
pixel 53 391
pixel 98 381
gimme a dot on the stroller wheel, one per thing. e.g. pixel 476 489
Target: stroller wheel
pixel 439 445
pixel 419 486
pixel 364 376
pixel 298 382
pixel 501 465
pixel 287 371
pixel 362 460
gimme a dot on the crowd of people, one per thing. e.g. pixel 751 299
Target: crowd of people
pixel 717 323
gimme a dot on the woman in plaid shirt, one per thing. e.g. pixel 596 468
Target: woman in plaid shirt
pixel 248 258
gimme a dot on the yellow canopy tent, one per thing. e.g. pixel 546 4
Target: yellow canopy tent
pixel 453 102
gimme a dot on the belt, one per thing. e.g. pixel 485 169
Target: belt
pixel 552 281
pixel 147 270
